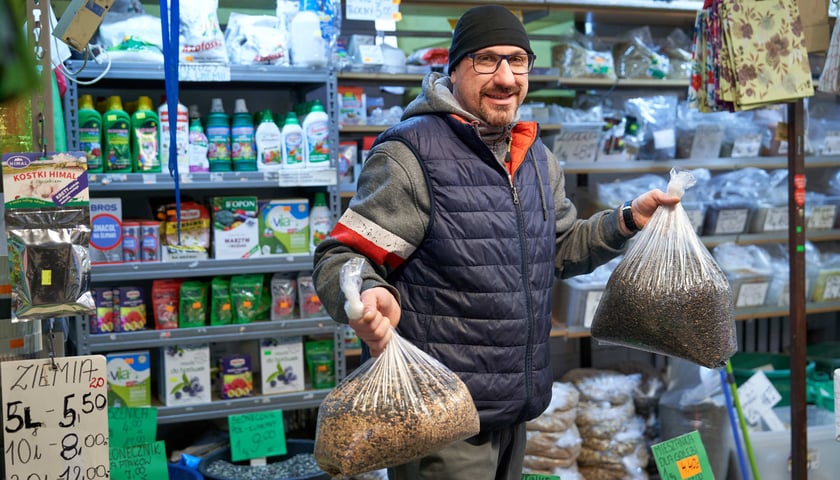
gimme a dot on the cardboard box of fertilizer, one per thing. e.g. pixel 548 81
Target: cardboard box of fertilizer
pixel 184 374
pixel 235 227
pixel 284 226
pixel 106 230
pixel 129 382
pixel 281 365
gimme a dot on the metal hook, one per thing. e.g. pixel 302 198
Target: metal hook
pixel 51 347
pixel 42 142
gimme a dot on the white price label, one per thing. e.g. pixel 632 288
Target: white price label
pixel 308 178
pixel 822 217
pixel 55 418
pixel 831 145
pixel 757 397
pixel 593 298
pixel 731 221
pixel 373 10
pixel 752 295
pixel 776 219
pixel 832 287
pixel 706 142
pixel 576 145
pixel 203 72
pixel 663 139
pixel 746 146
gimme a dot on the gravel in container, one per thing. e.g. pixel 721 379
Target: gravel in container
pixel 393 409
pixel 669 296
pixel 298 463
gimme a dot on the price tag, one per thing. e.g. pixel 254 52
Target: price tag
pixel 776 219
pixel 832 287
pixel 577 144
pixel 55 418
pixel 131 426
pixel 539 476
pixel 254 435
pixel 732 220
pixel 593 298
pixel 746 146
pixel 139 462
pixel 308 178
pixel 372 10
pixel 371 54
pixel 757 397
pixel 706 142
pixel 203 72
pixel 821 217
pixel 683 457
pixel 831 145
pixel 752 294
pixel 663 139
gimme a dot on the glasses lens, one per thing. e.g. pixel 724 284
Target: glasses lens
pixel 487 63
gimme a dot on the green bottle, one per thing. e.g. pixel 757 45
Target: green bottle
pixel 90 133
pixel 243 152
pixel 116 128
pixel 144 137
pixel 218 137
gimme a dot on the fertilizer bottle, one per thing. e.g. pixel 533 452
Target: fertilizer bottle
pixel 316 130
pixel 269 149
pixel 308 48
pixel 144 137
pixel 90 133
pixel 182 135
pixel 218 138
pixel 242 139
pixel 116 127
pixel 292 143
pixel 198 144
pixel 320 221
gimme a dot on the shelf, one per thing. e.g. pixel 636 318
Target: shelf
pixel 376 129
pixel 107 342
pixel 728 163
pixel 120 272
pixel 238 73
pixel 123 182
pixel 769 237
pixel 222 408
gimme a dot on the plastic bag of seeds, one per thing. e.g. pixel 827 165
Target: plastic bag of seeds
pixel 394 408
pixel 668 295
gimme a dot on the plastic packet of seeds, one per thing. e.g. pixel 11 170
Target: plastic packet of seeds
pixel 394 408
pixel 668 295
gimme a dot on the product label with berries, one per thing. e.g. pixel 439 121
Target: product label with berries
pixel 237 376
pixel 185 374
pixel 281 365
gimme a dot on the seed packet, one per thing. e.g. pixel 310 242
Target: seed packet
pixel 310 303
pixel 221 310
pixel 193 304
pixel 47 217
pixel 283 292
pixel 103 321
pixel 319 359
pixel 237 376
pixel 165 295
pixel 245 291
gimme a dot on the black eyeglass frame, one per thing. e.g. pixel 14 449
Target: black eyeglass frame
pixel 531 58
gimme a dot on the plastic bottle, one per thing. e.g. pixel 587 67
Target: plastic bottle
pixel 320 221
pixel 198 144
pixel 117 139
pixel 308 48
pixel 316 129
pixel 182 135
pixel 90 133
pixel 144 136
pixel 242 138
pixel 291 141
pixel 218 137
pixel 269 149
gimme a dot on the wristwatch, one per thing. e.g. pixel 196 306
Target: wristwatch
pixel 627 215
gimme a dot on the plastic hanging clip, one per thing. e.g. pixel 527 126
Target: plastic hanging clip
pixel 42 142
pixel 51 347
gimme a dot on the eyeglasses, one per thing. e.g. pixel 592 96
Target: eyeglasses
pixel 488 63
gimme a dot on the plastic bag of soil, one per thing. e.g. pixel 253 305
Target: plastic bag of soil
pixel 397 407
pixel 668 295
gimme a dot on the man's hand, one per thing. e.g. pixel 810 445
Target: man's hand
pixel 645 204
pixel 381 313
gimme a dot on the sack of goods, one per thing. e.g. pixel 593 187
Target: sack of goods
pixel 668 295
pixel 394 408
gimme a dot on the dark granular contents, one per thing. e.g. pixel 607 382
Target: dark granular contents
pixel 684 314
pixel 360 429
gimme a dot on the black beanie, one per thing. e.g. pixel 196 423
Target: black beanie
pixel 485 26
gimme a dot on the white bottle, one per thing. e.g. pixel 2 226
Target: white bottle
pixel 182 129
pixel 269 145
pixel 320 221
pixel 316 130
pixel 308 47
pixel 291 141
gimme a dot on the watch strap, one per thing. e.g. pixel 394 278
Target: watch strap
pixel 627 216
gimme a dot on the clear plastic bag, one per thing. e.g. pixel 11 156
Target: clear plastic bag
pixel 668 295
pixel 394 408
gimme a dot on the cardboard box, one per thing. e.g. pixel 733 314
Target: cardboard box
pixel 281 365
pixel 237 376
pixel 106 230
pixel 129 381
pixel 284 226
pixel 184 374
pixel 235 227
pixel 352 109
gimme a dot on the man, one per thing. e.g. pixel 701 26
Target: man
pixel 462 218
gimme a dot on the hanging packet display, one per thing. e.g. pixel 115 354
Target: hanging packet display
pixel 47 215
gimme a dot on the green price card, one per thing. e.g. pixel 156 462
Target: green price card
pixel 539 476
pixel 683 458
pixel 139 462
pixel 131 426
pixel 256 435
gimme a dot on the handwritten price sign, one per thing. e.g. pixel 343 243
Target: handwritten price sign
pixel 55 419
pixel 682 458
pixel 254 435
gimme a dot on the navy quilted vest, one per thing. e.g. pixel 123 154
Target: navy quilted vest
pixel 476 294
